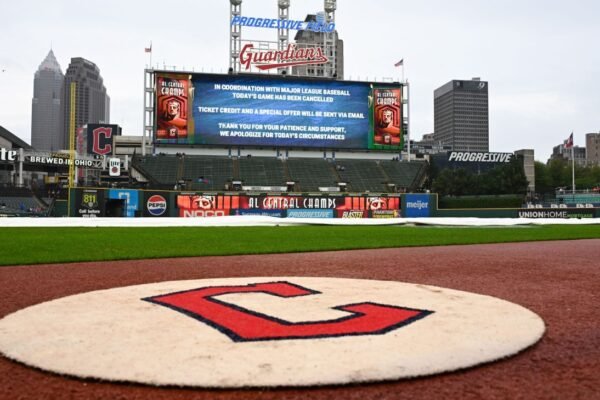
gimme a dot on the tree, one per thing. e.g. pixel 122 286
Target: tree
pixel 504 179
pixel 543 180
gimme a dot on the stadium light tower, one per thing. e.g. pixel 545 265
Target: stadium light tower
pixel 330 41
pixel 283 37
pixel 235 36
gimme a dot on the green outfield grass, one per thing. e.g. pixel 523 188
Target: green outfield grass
pixel 57 245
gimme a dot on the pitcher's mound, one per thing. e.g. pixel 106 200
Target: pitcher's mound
pixel 286 331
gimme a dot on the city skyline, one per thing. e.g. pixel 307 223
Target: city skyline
pixel 538 57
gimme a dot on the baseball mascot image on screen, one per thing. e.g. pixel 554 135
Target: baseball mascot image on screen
pixel 387 116
pixel 172 95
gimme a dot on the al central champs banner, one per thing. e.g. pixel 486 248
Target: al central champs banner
pixel 235 110
pixel 387 115
pixel 192 202
pixel 172 107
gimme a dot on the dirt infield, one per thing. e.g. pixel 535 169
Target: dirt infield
pixel 557 280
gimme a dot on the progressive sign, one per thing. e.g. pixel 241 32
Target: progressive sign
pixel 470 156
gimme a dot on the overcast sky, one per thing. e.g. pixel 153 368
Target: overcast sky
pixel 540 57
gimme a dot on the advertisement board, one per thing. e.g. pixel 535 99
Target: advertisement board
pixel 417 205
pixel 260 212
pixel 187 213
pixel 352 214
pixel 385 214
pixel 474 161
pixel 156 204
pixel 322 202
pixel 236 110
pixel 130 198
pixel 557 213
pixel 305 213
pixel 7 154
pixel 192 204
pixel 207 202
pixel 89 203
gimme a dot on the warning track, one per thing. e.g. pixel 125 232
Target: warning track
pixel 556 280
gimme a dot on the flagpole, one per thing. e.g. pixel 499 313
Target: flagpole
pixel 151 54
pixel 573 170
pixel 408 116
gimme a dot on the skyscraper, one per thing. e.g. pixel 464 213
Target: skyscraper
pixel 461 115
pixel 92 104
pixel 46 111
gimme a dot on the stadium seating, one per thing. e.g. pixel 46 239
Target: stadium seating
pixel 213 173
pixel 262 171
pixel 405 175
pixel 362 175
pixel 207 173
pixel 578 198
pixel 20 201
pixel 311 173
pixel 160 169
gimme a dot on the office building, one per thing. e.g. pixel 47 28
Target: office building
pixel 308 38
pixel 428 145
pixel 560 152
pixel 461 115
pixel 592 146
pixel 46 106
pixel 92 104
pixel 527 156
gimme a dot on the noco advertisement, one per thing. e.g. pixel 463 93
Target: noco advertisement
pixel 225 110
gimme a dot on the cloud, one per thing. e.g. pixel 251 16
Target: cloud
pixel 548 104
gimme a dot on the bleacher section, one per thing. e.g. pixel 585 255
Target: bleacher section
pixel 207 173
pixel 579 198
pixel 405 175
pixel 162 169
pixel 362 175
pixel 213 173
pixel 262 171
pixel 20 201
pixel 311 173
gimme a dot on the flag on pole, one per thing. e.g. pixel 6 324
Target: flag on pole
pixel 569 142
pixel 399 63
pixel 148 49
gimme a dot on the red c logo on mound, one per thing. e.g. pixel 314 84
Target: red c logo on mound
pixel 242 325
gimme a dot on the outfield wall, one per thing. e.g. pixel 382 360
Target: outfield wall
pixel 100 202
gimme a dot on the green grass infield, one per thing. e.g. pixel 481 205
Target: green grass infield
pixel 59 245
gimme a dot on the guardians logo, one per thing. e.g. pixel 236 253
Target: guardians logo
pixel 291 56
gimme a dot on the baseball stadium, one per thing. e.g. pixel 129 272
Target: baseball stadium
pixel 276 234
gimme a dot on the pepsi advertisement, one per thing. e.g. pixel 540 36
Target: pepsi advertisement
pixel 158 204
pixel 290 112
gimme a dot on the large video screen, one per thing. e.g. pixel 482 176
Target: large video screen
pixel 238 110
